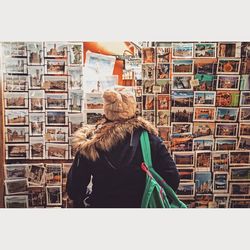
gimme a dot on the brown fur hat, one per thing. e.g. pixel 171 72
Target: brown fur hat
pixel 118 105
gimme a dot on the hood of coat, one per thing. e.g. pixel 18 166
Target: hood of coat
pixel 88 141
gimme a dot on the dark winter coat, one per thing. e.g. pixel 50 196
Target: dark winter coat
pixel 112 156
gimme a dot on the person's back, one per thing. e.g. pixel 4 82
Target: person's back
pixel 112 156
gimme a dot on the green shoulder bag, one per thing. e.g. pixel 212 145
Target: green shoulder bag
pixel 157 193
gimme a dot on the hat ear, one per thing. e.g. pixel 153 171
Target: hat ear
pixel 111 96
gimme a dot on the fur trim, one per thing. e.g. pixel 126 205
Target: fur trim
pixel 89 141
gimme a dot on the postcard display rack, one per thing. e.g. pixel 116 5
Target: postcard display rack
pixel 197 94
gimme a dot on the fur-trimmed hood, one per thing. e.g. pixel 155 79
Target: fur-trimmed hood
pixel 89 140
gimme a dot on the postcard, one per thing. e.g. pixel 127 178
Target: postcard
pixel 36 196
pixel 220 182
pixel 15 171
pixel 36 100
pixel 16 65
pixel 55 49
pixel 182 82
pixel 164 133
pixel 56 134
pixel 228 82
pixel 239 189
pixel 228 66
pixel 204 98
pixel 56 101
pixel 202 143
pixel 186 174
pixel 163 54
pixel 17 151
pixel 75 75
pixel 16 100
pixel 182 50
pixel 204 114
pixel 36 124
pixel 35 53
pixel 229 49
pixel 149 116
pixel 205 50
pixel 205 66
pixel 239 203
pixel 245 98
pixel 203 160
pixel 75 122
pixel 65 171
pixel 165 86
pixel 94 116
pixel 221 200
pixel 163 102
pixel 98 64
pixel 148 71
pixel 186 190
pixel 75 54
pixel 183 159
pixel 56 118
pixel 55 83
pixel 36 174
pixel 206 82
pixel 56 151
pixel 16 117
pixel 163 118
pixel 203 182
pixel 244 143
pixel 220 161
pixel 181 142
pixel 55 67
pixel 227 98
pixel 238 158
pixel 203 129
pixel 181 128
pixel 18 49
pixel 163 71
pixel 19 186
pixel 245 82
pixel 239 173
pixel 133 63
pixel 182 98
pixel 148 102
pixel 37 148
pixel 53 174
pixel 148 55
pixel 15 82
pixel 148 86
pixel 227 114
pixel 226 129
pixel 16 201
pixel 182 114
pixel 54 195
pixel 36 74
pixel 244 129
pixel 183 66
pixel 225 143
pixel 244 114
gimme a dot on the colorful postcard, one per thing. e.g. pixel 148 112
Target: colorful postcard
pixel 163 102
pixel 186 174
pixel 245 98
pixel 239 203
pixel 54 195
pixel 163 54
pixel 148 71
pixel 162 71
pixel 165 86
pixel 36 174
pixel 75 77
pixel 204 114
pixel 94 101
pixel 239 189
pixel 221 200
pixel 16 100
pixel 93 117
pixel 75 55
pixel 244 114
pixel 245 82
pixel 183 66
pixel 228 66
pixel 203 160
pixel 203 129
pixel 16 117
pixel 56 118
pixel 55 67
pixel 148 55
pixel 53 174
pixel 240 173
pixel 56 134
pixel 36 100
pixel 16 65
pixel 228 82
pixel 244 129
pixel 226 129
pixel 56 101
pixel 184 159
pixel 244 143
pixel 148 102
pixel 36 124
pixel 148 86
pixel 206 82
pixel 55 83
pixel 37 148
pixel 182 50
pixel 75 100
pixel 19 186
pixel 35 53
pixel 225 143
pixel 15 171
pixel 36 196
pixel 17 151
pixel 220 182
pixel 56 151
pixel 203 143
pixel 227 98
pixel 181 142
pixel 182 82
pixel 181 128
pixel 204 98
pixel 205 50
pixel 55 49
pixel 229 49
pixel 181 98
pixel 205 66
pixel 239 157
pixel 227 114
pixel 182 114
pixel 36 74
pixel 164 133
pixel 16 201
pixel 163 118
pixel 15 82
pixel 220 161
pixel 186 190
pixel 203 182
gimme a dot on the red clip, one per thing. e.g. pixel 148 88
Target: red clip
pixel 145 169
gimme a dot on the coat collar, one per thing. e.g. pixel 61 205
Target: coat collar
pixel 107 134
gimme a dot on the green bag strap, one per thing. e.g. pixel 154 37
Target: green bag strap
pixel 146 152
